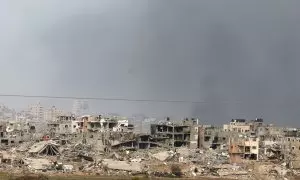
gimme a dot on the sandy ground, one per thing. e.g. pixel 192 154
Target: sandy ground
pixel 4 176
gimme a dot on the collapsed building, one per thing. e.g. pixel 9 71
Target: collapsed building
pixel 98 130
pixel 164 134
pixel 241 138
pixel 108 144
pixel 177 135
pixel 291 152
pixel 104 124
pixel 15 132
pixel 68 125
pixel 213 137
pixel 255 140
pixel 286 149
pixel 250 139
pixel 141 141
pixel 44 148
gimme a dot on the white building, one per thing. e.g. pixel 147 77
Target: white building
pixel 7 113
pixel 237 125
pixel 36 111
pixel 120 125
pixel 52 113
pixel 79 106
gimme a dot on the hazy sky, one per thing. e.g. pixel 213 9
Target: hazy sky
pixel 241 58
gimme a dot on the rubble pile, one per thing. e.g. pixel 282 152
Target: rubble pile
pixel 49 157
pixel 106 146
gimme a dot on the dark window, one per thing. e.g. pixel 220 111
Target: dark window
pixel 207 138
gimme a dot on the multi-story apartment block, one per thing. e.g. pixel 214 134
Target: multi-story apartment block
pixel 88 124
pixel 242 126
pixel 15 132
pixel 237 125
pixel 177 135
pixel 245 147
pixel 36 111
pixel 52 113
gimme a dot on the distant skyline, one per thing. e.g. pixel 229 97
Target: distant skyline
pixel 244 53
pixel 138 116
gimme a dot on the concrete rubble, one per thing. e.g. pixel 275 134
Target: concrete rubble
pixel 44 147
pixel 37 164
pixel 108 146
pixel 122 165
pixel 164 155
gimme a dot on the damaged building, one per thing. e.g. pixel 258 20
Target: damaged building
pixel 88 124
pixel 214 137
pixel 107 123
pixel 107 145
pixel 102 131
pixel 140 141
pixel 164 134
pixel 15 132
pixel 48 148
pixel 250 127
pixel 62 126
pixel 177 135
pixel 292 146
pixel 243 148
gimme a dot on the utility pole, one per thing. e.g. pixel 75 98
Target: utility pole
pixel 141 128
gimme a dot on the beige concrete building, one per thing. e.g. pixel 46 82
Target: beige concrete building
pixel 292 151
pixel 246 147
pixel 237 125
pixel 252 148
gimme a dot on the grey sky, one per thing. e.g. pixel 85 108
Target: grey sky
pixel 241 57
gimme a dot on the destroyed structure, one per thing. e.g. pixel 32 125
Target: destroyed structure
pixel 15 132
pixel 108 144
pixel 177 135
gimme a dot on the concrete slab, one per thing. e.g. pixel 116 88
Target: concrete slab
pixel 122 165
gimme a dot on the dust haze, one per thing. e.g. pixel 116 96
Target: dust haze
pixel 239 58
